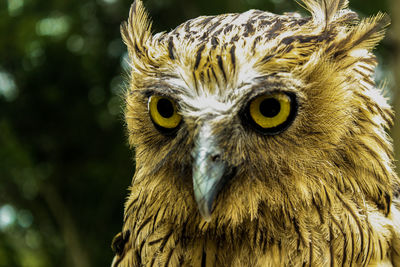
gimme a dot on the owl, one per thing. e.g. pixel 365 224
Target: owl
pixel 260 140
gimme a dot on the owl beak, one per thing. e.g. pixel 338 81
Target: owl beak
pixel 209 171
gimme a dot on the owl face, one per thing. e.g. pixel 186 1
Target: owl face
pixel 236 112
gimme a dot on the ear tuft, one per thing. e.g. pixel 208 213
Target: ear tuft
pixel 136 32
pixel 364 36
pixel 325 12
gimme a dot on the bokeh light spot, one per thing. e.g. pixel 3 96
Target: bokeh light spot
pixel 33 239
pixel 53 26
pixel 35 53
pixel 7 216
pixel 125 62
pixel 24 218
pixel 75 43
pixel 116 85
pixel 114 106
pixel 8 88
pixel 115 48
pixel 15 7
pixel 110 2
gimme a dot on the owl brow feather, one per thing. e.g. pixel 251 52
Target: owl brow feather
pixel 161 90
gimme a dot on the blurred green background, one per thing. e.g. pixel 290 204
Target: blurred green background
pixel 64 161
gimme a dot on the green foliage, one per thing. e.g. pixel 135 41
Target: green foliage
pixel 65 164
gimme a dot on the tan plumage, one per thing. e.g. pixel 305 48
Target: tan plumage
pixel 319 189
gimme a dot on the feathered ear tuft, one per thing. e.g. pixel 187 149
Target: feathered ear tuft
pixel 366 35
pixel 325 12
pixel 355 35
pixel 136 32
pixel 137 36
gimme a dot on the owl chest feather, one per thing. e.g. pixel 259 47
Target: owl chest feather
pixel 333 238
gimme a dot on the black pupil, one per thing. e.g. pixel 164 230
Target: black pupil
pixel 270 107
pixel 165 108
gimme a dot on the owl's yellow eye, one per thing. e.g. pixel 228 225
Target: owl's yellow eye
pixel 271 113
pixel 163 112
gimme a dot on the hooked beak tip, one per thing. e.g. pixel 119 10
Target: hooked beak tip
pixel 205 208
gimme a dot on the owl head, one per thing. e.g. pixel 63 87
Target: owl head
pixel 240 115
